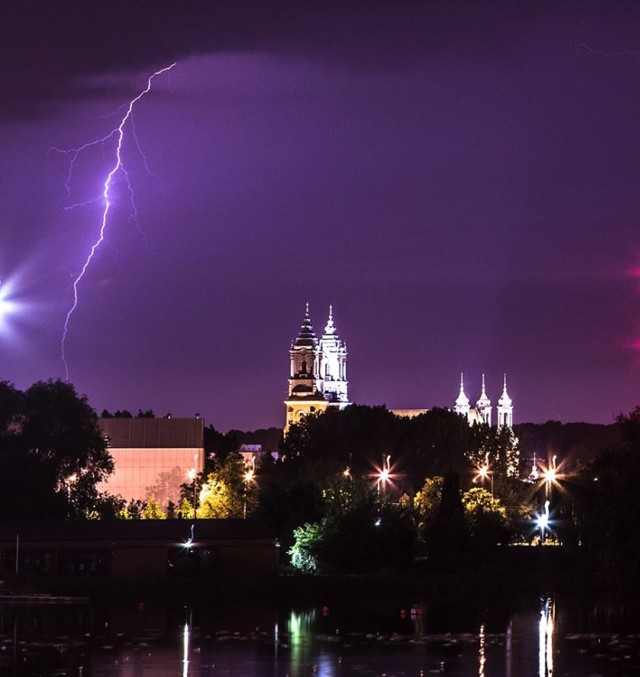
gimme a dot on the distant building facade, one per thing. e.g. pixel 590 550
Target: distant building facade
pixel 318 371
pixel 152 456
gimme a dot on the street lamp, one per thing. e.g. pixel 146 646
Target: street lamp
pixel 542 521
pixel 384 474
pixel 550 476
pixel 248 478
pixel 483 473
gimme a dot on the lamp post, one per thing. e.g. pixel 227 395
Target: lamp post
pixel 192 475
pixel 542 521
pixel 550 476
pixel 248 478
pixel 385 473
pixel 482 473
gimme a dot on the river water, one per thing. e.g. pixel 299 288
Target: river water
pixel 542 636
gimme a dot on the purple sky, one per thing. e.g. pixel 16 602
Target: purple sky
pixel 460 180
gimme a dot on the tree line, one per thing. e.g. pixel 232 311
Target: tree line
pixel 352 489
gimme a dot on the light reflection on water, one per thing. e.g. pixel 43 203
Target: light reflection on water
pixel 542 638
pixel 545 631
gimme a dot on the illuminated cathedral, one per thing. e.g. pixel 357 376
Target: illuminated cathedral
pixel 318 371
pixel 482 411
pixel 318 380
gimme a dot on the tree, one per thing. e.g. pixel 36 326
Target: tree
pixel 152 511
pixel 447 534
pixel 303 551
pixel 10 409
pixel 185 509
pixel 228 491
pixel 495 447
pixel 434 443
pixel 359 533
pixel 53 453
pixel 427 501
pixel 486 517
pixel 359 436
pixel 608 510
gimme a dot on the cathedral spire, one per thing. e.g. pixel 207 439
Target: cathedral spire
pixel 462 403
pixel 505 407
pixel 483 405
pixel 330 328
pixel 306 336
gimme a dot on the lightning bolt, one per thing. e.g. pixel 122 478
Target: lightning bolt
pixel 118 167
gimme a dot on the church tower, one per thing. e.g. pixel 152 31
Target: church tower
pixel 318 372
pixel 483 406
pixel 333 364
pixel 462 403
pixel 505 407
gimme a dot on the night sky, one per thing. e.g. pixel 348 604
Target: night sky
pixel 460 180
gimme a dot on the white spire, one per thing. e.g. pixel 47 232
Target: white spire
pixel 505 400
pixel 505 407
pixel 463 400
pixel 483 405
pixel 330 328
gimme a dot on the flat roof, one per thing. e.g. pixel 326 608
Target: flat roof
pixel 153 433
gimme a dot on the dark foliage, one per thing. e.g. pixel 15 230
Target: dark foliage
pixel 52 454
pixel 446 536
pixel 607 502
pixel 574 443
pixel 359 437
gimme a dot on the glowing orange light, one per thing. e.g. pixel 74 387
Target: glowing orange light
pixel 384 475
pixel 550 475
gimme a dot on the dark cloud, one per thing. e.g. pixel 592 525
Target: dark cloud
pixel 49 50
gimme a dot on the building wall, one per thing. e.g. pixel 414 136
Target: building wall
pixel 142 473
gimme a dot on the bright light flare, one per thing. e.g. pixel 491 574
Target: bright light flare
pixel 550 475
pixel 483 472
pixel 7 305
pixel 542 522
pixel 384 475
pixel 250 470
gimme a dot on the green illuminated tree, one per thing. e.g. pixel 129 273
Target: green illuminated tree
pixel 228 491
pixel 303 552
pixel 360 532
pixel 427 501
pixel 486 517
